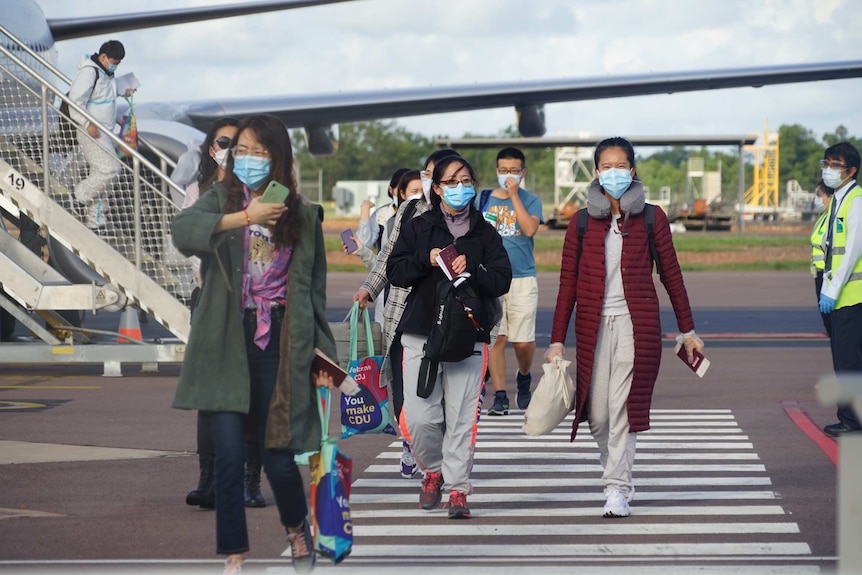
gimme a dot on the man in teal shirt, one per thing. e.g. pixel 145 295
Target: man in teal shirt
pixel 516 214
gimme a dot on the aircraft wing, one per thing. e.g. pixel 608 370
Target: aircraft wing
pixel 316 110
pixel 68 28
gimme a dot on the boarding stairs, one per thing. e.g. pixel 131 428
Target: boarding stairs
pixel 130 259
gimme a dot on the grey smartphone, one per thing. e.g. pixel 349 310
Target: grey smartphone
pixel 275 193
pixel 349 243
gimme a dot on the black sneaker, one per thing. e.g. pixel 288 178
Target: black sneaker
pixel 501 404
pixel 524 394
pixel 840 428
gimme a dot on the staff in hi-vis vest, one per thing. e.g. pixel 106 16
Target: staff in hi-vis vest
pixel 823 197
pixel 841 293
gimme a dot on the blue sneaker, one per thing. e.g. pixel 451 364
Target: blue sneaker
pixel 501 404
pixel 409 469
pixel 524 393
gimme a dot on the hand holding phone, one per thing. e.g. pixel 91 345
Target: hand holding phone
pixel 275 193
pixel 349 242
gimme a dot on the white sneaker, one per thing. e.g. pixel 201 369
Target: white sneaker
pixel 409 469
pixel 94 217
pixel 616 505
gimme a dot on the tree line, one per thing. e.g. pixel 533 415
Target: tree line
pixel 373 150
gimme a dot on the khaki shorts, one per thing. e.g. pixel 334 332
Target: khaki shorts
pixel 519 310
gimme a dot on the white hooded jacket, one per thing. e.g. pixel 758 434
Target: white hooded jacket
pixel 100 100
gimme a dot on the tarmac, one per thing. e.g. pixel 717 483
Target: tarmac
pixel 95 469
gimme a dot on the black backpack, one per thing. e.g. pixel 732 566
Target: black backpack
pixel 68 131
pixel 649 220
pixel 457 322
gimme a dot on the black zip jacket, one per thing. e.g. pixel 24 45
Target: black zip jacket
pixel 409 266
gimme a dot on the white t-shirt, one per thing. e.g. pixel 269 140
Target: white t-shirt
pixel 615 296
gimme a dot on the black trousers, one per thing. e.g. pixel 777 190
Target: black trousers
pixel 847 352
pixel 396 354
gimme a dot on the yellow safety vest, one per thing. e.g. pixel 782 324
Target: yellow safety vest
pixel 851 292
pixel 818 258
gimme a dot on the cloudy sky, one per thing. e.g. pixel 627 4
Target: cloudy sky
pixel 380 44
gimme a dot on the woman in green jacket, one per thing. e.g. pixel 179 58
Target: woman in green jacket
pixel 260 314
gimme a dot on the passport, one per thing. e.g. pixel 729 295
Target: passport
pixel 322 362
pixel 700 363
pixel 444 260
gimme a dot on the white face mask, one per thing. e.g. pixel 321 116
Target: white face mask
pixel 426 188
pixel 832 177
pixel 501 179
pixel 221 158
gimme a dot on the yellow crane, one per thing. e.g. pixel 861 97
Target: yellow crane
pixel 761 199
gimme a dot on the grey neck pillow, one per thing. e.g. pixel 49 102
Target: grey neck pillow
pixel 631 202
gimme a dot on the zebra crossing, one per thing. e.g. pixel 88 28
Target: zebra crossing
pixel 702 497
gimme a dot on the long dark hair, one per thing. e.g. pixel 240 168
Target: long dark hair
pixel 273 135
pixel 207 168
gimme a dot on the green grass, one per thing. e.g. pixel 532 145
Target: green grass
pixel 749 266
pixel 731 266
pixel 549 245
pixel 699 242
pixel 333 244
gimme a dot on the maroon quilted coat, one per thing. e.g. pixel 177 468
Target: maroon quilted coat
pixel 586 287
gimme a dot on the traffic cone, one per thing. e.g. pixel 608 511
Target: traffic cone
pixel 129 326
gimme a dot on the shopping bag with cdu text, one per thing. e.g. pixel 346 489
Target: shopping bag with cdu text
pixel 366 411
pixel 553 399
pixel 331 475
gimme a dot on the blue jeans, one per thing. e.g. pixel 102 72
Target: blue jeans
pixel 230 449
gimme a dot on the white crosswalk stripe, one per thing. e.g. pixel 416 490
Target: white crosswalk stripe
pixel 702 494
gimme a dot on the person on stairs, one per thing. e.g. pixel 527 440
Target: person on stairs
pixel 95 90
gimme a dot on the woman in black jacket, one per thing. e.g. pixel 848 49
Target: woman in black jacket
pixel 441 428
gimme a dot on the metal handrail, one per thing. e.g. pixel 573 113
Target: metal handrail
pixel 73 105
pixel 57 72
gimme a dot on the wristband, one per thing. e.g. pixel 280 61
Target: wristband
pixel 247 219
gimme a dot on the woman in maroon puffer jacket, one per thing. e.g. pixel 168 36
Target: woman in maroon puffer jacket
pixel 617 326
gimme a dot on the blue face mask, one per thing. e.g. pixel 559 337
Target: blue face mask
pixel 458 197
pixel 615 181
pixel 112 68
pixel 501 179
pixel 251 170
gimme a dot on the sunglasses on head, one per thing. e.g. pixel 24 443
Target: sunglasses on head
pixel 223 142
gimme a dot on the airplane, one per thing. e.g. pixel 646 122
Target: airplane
pixel 170 125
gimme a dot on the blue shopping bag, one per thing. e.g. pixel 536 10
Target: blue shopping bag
pixel 331 475
pixel 367 411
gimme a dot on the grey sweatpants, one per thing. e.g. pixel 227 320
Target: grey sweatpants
pixel 613 369
pixel 442 429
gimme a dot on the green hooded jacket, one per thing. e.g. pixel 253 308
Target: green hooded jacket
pixel 215 374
